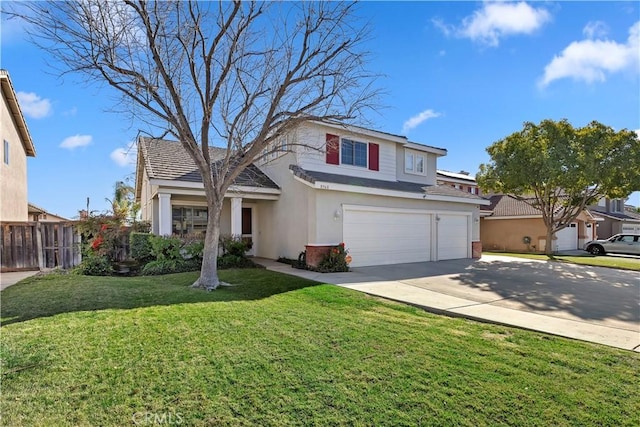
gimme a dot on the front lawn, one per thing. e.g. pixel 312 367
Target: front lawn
pixel 280 350
pixel 586 259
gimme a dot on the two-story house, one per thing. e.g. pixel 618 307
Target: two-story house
pixel 321 184
pixel 16 147
pixel 615 218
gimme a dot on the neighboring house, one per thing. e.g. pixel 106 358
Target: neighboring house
pixel 461 181
pixel 321 184
pixel 616 218
pixel 16 146
pixel 509 224
pixel 38 214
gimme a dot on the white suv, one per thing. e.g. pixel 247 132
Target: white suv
pixel 620 244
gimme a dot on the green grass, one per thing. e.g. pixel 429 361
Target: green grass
pixel 280 350
pixel 586 259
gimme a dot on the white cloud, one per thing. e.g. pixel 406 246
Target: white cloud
pixel 33 106
pixel 595 29
pixel 592 60
pixel 125 156
pixel 637 131
pixel 76 141
pixel 496 20
pixel 416 120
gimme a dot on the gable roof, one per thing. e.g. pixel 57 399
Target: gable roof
pixel 409 187
pixel 628 215
pixel 9 94
pixel 168 160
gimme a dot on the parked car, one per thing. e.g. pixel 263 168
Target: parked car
pixel 620 244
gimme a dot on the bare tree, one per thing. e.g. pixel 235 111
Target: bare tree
pixel 231 74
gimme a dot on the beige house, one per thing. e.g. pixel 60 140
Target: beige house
pixel 321 184
pixel 509 224
pixel 38 214
pixel 615 217
pixel 16 146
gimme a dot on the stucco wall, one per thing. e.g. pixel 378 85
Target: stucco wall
pixel 507 234
pixel 285 225
pixel 13 177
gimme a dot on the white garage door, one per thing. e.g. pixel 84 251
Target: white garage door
pixel 631 228
pixel 376 236
pixel 567 238
pixel 453 237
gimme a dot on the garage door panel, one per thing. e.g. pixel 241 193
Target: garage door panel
pixel 453 237
pixel 380 238
pixel 567 238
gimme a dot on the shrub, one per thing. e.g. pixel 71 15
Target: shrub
pixel 165 266
pixel 140 247
pixel 335 261
pixel 234 261
pixel 95 265
pixel 166 248
pixel 234 245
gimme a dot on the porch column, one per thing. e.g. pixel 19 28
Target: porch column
pixel 236 216
pixel 164 214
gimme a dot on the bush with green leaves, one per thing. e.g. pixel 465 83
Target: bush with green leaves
pixel 166 248
pixel 335 261
pixel 95 265
pixel 140 247
pixel 166 266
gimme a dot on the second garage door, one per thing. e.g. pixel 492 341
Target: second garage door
pixel 453 236
pixel 567 238
pixel 376 236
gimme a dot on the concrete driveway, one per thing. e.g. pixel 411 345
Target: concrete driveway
pixel 594 304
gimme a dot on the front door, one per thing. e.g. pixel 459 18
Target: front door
pixel 247 228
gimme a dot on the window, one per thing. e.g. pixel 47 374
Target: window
pixel 414 163
pixel 6 152
pixel 408 162
pixel 354 153
pixel 284 146
pixel 188 220
pixel 617 205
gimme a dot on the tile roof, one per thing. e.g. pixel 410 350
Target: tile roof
pixel 505 205
pixel 409 187
pixel 169 160
pixel 626 216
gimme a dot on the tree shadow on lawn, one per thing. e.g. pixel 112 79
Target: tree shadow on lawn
pixel 49 295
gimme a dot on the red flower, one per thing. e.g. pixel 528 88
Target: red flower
pixel 342 244
pixel 103 227
pixel 97 242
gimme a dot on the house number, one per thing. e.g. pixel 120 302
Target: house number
pixel 324 187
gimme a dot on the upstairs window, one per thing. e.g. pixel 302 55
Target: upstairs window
pixel 414 163
pixel 6 152
pixel 354 153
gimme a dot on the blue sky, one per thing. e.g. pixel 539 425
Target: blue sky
pixel 458 75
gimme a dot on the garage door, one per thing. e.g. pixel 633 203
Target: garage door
pixel 567 238
pixel 376 236
pixel 453 237
pixel 630 228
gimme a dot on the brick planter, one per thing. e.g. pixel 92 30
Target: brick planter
pixel 476 250
pixel 317 252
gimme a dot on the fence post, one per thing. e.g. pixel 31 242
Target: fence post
pixel 40 247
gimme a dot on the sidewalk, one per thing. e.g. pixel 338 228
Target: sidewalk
pixel 8 279
pixel 455 306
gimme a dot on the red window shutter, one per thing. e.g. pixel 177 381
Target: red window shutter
pixel 374 156
pixel 333 149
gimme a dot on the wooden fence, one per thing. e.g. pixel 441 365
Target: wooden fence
pixel 38 245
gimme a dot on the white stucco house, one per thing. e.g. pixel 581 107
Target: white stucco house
pixel 374 191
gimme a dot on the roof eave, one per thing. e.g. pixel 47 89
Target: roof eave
pixel 10 95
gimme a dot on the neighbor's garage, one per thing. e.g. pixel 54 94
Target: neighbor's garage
pixel 567 238
pixel 630 228
pixel 379 236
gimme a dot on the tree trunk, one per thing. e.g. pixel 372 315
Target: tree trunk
pixel 548 245
pixel 209 272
